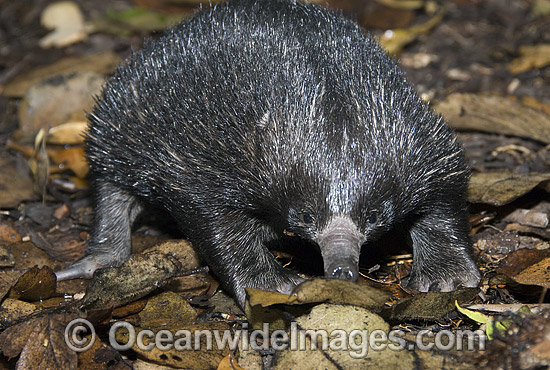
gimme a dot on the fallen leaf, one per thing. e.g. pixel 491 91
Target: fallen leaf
pixel 528 217
pixel 13 310
pixel 346 337
pixel 517 261
pixel 531 57
pixel 393 41
pixel 15 181
pixel 39 343
pixel 494 114
pixel 167 309
pixel 323 290
pixel 499 188
pixel 8 234
pixel 167 315
pixel 27 255
pixel 58 100
pixel 35 285
pixel 403 4
pixel 137 277
pixel 69 133
pixel 431 305
pixel 40 165
pixel 72 158
pixel 102 64
pixel 229 362
pixel 7 280
pixel 537 274
pixel 6 257
pixel 67 21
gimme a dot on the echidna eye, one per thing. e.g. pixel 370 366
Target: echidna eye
pixel 307 218
pixel 373 217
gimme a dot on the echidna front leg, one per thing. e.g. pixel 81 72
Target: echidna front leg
pixel 110 244
pixel 442 252
pixel 235 249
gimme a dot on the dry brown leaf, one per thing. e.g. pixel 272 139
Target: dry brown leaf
pixel 39 343
pixel 34 285
pixel 67 21
pixel 58 100
pixel 323 290
pixel 169 312
pixel 403 4
pixel 15 181
pixel 336 320
pixel 499 188
pixel 164 310
pixel 6 257
pixel 494 114
pixel 102 64
pixel 531 57
pixel 528 217
pixel 537 274
pixel 188 357
pixel 130 309
pixel 8 234
pixel 519 260
pixel 101 357
pixel 72 158
pixel 27 255
pixel 431 305
pixel 264 298
pixel 137 277
pixel 13 310
pixel 7 279
pixel 229 362
pixel 39 164
pixel 341 292
pixel 395 40
pixel 69 133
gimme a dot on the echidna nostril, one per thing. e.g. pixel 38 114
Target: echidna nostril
pixel 344 272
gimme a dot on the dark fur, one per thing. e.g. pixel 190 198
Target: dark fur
pixel 260 116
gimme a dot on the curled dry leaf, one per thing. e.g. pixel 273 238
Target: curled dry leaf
pixel 34 285
pixel 431 305
pixel 39 164
pixel 15 182
pixel 395 40
pixel 229 362
pixel 6 257
pixel 69 133
pixel 499 188
pixel 528 217
pixel 324 290
pixel 57 100
pixel 170 317
pixel 140 275
pixel 102 64
pixel 495 114
pixel 40 343
pixel 531 57
pixel 72 158
pixel 67 21
pixel 537 274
